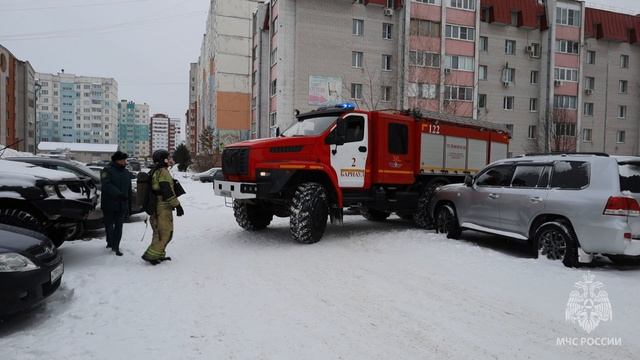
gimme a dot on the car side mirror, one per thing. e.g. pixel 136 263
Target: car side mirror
pixel 468 180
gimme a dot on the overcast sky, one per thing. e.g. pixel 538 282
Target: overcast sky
pixel 146 45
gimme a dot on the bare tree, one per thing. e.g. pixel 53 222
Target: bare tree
pixel 563 132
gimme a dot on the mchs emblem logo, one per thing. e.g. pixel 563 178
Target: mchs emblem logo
pixel 588 304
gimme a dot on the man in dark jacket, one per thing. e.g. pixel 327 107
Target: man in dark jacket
pixel 115 198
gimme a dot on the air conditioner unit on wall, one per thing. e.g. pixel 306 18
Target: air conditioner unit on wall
pixel 388 12
pixel 506 84
pixel 529 50
pixel 557 83
pixel 588 91
pixel 447 71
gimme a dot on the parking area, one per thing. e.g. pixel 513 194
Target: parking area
pixel 367 290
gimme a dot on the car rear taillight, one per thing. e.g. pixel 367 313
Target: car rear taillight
pixel 622 206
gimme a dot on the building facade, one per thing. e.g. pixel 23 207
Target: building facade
pixel 561 76
pixel 159 132
pixel 17 103
pixel 223 93
pixel 77 109
pixel 174 133
pixel 191 116
pixel 134 129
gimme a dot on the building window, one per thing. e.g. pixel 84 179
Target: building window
pixel 358 27
pixel 533 104
pixel 484 43
pixel 423 91
pixel 589 83
pixel 535 50
pixel 272 119
pixel 463 4
pixel 565 102
pixel 356 91
pixel 274 56
pixel 623 86
pixel 458 93
pixel 387 31
pixel 567 17
pixel 567 46
pixel 458 62
pixel 482 101
pixel 533 132
pixel 274 87
pixel 419 58
pixel 507 103
pixel 460 32
pixel 433 2
pixel 482 72
pixel 624 61
pixel 386 93
pixel 386 62
pixel 620 136
pixel 509 75
pixel 587 135
pixel 565 129
pixel 514 18
pixel 566 74
pixel 424 28
pixel 622 111
pixel 533 77
pixel 389 4
pixel 359 2
pixel 588 109
pixel 591 57
pixel 274 25
pixel 510 47
pixel 357 59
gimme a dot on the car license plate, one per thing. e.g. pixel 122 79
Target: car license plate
pixel 57 272
pixel 225 193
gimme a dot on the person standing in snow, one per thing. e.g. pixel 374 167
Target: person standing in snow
pixel 162 185
pixel 115 199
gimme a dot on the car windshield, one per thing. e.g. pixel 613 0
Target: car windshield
pixel 630 177
pixel 310 126
pixel 87 171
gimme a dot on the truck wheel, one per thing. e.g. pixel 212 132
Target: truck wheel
pixel 447 222
pixel 421 217
pixel 557 241
pixel 309 212
pixel 251 217
pixel 20 218
pixel 373 214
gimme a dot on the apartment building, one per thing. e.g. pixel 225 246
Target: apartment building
pixel 17 102
pixel 77 109
pixel 159 132
pixel 174 133
pixel 134 129
pixel 223 75
pixel 191 116
pixel 526 64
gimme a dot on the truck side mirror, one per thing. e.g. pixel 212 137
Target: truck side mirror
pixel 468 180
pixel 338 135
pixel 278 131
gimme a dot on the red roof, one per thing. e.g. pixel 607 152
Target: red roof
pixel 608 25
pixel 528 12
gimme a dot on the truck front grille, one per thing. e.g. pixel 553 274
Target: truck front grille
pixel 235 161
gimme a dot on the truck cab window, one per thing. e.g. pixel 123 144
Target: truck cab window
pixel 355 129
pixel 398 139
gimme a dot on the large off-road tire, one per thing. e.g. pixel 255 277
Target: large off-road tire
pixel 421 217
pixel 250 216
pixel 557 241
pixel 20 218
pixel 373 214
pixel 309 213
pixel 446 221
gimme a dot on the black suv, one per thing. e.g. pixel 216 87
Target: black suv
pixel 30 269
pixel 52 202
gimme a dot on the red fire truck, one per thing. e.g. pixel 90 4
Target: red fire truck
pixel 375 162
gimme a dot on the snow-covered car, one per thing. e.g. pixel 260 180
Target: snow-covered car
pixel 30 269
pixel 211 176
pixel 196 177
pixel 53 202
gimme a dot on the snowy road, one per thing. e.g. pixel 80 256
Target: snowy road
pixel 366 291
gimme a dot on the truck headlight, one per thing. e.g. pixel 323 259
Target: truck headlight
pixel 13 262
pixel 264 174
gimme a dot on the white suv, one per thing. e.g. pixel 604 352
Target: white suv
pixel 567 207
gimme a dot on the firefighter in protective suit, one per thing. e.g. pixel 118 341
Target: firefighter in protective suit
pixel 162 185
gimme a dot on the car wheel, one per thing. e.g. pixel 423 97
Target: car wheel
pixel 20 218
pixel 374 215
pixel 556 241
pixel 447 221
pixel 421 216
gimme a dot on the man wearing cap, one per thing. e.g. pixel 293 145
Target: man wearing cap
pixel 115 198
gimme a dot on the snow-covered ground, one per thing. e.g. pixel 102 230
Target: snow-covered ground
pixel 366 291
